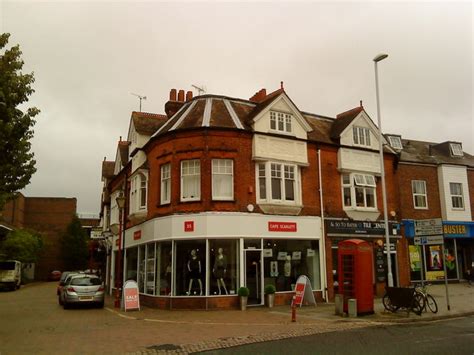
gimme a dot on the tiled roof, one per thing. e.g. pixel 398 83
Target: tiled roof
pixel 430 153
pixel 147 123
pixel 321 128
pixel 108 169
pixel 343 120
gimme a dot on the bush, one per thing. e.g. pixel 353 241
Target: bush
pixel 243 291
pixel 270 289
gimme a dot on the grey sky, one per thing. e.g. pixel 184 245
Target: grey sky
pixel 89 56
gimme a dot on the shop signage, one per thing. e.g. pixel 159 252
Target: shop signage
pixel 189 226
pixel 428 240
pixel 282 227
pixel 303 291
pixel 131 298
pixel 380 264
pixel 96 233
pixel 432 226
pixel 359 227
pixel 137 235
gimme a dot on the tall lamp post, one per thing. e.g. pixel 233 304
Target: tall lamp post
pixel 377 59
pixel 118 279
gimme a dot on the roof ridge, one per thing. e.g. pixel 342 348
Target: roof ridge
pixel 345 113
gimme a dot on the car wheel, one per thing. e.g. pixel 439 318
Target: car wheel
pixel 60 301
pixel 100 304
pixel 65 305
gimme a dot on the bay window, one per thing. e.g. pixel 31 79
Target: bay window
pixel 138 193
pixel 222 179
pixel 278 182
pixel 358 191
pixel 165 183
pixel 190 180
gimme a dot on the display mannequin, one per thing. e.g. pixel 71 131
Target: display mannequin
pixel 219 270
pixel 194 268
pixel 287 266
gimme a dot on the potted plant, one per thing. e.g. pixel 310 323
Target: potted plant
pixel 270 295
pixel 243 293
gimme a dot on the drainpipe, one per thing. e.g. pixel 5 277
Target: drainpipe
pixel 323 236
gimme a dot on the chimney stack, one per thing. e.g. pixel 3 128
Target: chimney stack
pixel 259 96
pixel 189 96
pixel 181 95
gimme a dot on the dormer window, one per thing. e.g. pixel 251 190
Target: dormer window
pixel 361 136
pixel 395 142
pixel 280 122
pixel 456 149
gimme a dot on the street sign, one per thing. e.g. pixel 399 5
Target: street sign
pixel 96 233
pixel 432 226
pixel 429 240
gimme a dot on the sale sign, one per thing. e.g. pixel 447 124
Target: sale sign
pixel 303 291
pixel 131 298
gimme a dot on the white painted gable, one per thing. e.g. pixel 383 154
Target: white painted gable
pixel 283 104
pixel 362 120
pixel 118 162
pixel 136 140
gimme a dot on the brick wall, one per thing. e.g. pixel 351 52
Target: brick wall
pixel 14 211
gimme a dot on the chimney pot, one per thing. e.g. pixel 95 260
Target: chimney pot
pixel 181 96
pixel 173 95
pixel 189 96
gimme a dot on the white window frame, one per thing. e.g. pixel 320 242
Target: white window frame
pixel 456 149
pixel 138 187
pixel 358 180
pixel 361 136
pixel 459 197
pixel 395 142
pixel 287 172
pixel 416 193
pixel 143 191
pixel 220 167
pixel 165 192
pixel 281 122
pixel 195 166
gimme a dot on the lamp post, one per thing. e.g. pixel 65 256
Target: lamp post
pixel 377 59
pixel 118 278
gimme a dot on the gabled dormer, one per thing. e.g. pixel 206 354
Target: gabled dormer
pixel 141 128
pixel 280 128
pixel 448 149
pixel 395 141
pixel 121 157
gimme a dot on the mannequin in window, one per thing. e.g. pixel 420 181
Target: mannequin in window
pixel 194 268
pixel 219 269
pixel 287 266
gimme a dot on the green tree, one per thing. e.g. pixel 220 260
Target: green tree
pixel 74 246
pixel 16 160
pixel 22 245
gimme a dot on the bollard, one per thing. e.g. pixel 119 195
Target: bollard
pixel 293 310
pixel 339 303
pixel 352 307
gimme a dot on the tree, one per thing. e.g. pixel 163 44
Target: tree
pixel 22 245
pixel 74 246
pixel 16 160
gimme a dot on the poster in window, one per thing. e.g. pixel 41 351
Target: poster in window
pixel 296 255
pixel 310 252
pixel 282 255
pixel 435 258
pixel 274 268
pixel 267 253
pixel 415 257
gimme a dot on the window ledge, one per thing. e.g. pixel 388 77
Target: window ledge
pixel 137 217
pixel 272 208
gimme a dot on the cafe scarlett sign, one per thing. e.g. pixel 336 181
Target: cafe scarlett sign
pixel 131 299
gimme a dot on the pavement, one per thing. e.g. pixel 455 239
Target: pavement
pixel 183 332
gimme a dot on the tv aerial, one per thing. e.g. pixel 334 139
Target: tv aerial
pixel 140 97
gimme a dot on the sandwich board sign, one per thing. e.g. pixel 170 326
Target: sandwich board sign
pixel 131 299
pixel 303 291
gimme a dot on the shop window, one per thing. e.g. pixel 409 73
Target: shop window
pixel 450 259
pixel 419 194
pixel 361 136
pixel 190 180
pixel 286 260
pixel 190 267
pixel 223 257
pixel 164 269
pixel 457 198
pixel 416 262
pixel 141 268
pixel 165 184
pixel 150 269
pixel 358 191
pixel 132 262
pixel 222 179
pixel 278 183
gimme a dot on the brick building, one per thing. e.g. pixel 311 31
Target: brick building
pixel 224 192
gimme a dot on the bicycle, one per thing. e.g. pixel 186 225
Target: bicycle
pixel 429 301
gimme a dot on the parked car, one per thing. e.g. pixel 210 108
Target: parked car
pixel 82 289
pixel 54 275
pixel 62 280
pixel 10 274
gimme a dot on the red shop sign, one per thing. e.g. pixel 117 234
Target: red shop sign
pixel 282 226
pixel 189 226
pixel 137 235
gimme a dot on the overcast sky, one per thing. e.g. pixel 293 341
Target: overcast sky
pixel 89 56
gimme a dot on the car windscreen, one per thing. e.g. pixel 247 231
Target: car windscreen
pixel 7 265
pixel 86 281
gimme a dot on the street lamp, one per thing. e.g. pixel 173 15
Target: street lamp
pixel 118 279
pixel 377 59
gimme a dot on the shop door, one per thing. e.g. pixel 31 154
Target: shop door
pixel 253 276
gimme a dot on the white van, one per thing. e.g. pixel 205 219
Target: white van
pixel 10 274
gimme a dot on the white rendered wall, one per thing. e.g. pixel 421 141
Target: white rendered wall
pixel 457 174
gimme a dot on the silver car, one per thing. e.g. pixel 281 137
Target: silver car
pixel 83 289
